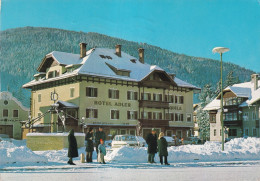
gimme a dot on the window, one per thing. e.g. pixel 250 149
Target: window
pixel 157 115
pixel 91 92
pixel 15 113
pixel 170 116
pixel 132 115
pixel 245 116
pixel 146 115
pixel 132 132
pixel 39 98
pixel 179 134
pixel 232 132
pixel 254 132
pixel 50 75
pixel 113 94
pixel 178 117
pixel 157 97
pixel 169 133
pixel 131 95
pixel 246 131
pixel 122 131
pixel 220 132
pixel 212 118
pixel 146 96
pixel 114 114
pixel 215 132
pixel 91 113
pixel 5 113
pixel 113 132
pixel 188 118
pixel 171 98
pixel 181 99
pixel 176 100
pixel 72 90
pixel 230 116
pixel 71 113
pixel 253 116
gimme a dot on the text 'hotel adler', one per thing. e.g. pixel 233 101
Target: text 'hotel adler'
pixel 109 88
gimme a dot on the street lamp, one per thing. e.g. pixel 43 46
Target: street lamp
pixel 221 50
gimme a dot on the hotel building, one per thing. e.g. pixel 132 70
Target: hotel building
pixel 109 88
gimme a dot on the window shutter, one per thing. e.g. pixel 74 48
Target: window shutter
pixel 149 115
pixel 142 96
pixel 172 116
pixel 165 98
pixel 181 117
pixel 149 96
pixel 172 99
pixel 154 115
pixel 182 99
pixel 135 114
pixel 87 91
pixel 154 97
pixel 95 113
pixel 176 99
pixel 112 114
pixel 128 114
pixel 176 117
pixel 160 96
pixel 87 113
pixel 160 115
pixel 95 92
pixel 117 112
pixel 109 93
pixel 167 116
pixel 142 115
pixel 117 94
pixel 135 95
pixel 128 95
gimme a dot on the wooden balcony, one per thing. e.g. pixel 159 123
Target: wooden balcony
pixel 233 123
pixel 154 104
pixel 154 122
pixel 231 107
pixel 156 84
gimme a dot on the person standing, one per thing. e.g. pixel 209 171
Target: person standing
pixel 151 141
pixel 101 152
pixel 100 134
pixel 162 148
pixel 73 147
pixel 90 145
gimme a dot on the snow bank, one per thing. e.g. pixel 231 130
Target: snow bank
pixel 54 134
pixel 17 152
pixel 236 149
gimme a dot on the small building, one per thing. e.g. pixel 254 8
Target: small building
pixel 241 103
pixel 12 113
pixel 109 88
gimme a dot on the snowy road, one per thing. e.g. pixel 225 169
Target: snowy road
pixel 123 172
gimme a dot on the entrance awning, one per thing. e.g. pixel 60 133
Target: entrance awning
pixel 64 104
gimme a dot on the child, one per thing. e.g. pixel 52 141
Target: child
pixel 101 152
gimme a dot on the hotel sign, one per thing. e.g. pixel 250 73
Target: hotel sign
pixel 176 108
pixel 109 103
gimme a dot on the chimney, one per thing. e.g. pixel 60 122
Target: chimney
pixel 118 50
pixel 141 55
pixel 254 80
pixel 83 49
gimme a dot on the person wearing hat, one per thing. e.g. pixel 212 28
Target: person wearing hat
pixel 162 148
pixel 89 145
pixel 100 134
pixel 151 141
pixel 101 152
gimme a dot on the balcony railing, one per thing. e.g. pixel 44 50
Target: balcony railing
pixel 156 84
pixel 154 104
pixel 233 123
pixel 154 122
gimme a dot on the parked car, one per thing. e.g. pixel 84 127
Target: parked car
pixel 191 140
pixel 170 140
pixel 127 140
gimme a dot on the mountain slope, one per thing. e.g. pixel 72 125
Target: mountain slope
pixel 22 49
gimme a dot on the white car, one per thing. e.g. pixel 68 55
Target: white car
pixel 170 140
pixel 127 140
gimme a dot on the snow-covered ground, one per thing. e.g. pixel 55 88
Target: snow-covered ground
pixel 240 158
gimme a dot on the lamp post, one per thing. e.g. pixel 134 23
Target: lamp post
pixel 221 50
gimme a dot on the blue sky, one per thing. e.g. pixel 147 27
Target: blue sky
pixel 192 27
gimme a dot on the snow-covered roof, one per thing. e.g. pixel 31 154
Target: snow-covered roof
pixel 244 90
pixel 98 62
pixel 67 104
pixel 8 96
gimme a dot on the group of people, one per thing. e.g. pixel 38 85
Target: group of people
pixel 154 145
pixel 157 145
pixel 100 138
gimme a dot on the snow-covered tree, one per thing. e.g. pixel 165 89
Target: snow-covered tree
pixel 230 79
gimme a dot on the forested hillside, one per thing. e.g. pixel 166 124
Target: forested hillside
pixel 22 49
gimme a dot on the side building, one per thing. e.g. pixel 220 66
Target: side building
pixel 109 88
pixel 12 113
pixel 241 111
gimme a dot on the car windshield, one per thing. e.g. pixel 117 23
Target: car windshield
pixel 128 138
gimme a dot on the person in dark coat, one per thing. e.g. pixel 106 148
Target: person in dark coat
pixel 90 145
pixel 100 134
pixel 73 147
pixel 151 141
pixel 162 148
